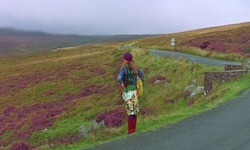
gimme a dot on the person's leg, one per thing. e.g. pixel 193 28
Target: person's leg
pixel 130 124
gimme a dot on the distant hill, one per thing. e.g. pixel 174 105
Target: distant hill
pixel 16 42
pixel 234 38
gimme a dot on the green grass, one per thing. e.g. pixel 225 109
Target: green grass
pixel 82 111
pixel 154 95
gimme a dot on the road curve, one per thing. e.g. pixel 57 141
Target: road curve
pixel 225 127
pixel 192 58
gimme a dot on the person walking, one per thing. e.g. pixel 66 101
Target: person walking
pixel 127 78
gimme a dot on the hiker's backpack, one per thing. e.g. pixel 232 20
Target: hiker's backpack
pixel 129 79
pixel 130 82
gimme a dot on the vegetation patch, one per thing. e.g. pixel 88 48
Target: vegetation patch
pixel 158 78
pixel 112 118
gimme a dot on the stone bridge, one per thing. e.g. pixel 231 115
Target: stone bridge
pixel 231 72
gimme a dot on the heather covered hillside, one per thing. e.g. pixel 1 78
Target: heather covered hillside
pixel 47 99
pixel 232 39
pixel 59 90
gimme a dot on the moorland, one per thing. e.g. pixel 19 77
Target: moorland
pixel 45 96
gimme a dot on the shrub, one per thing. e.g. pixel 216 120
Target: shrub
pixel 8 110
pixel 40 123
pixel 247 49
pixel 158 77
pixel 205 44
pixel 112 118
pixel 20 146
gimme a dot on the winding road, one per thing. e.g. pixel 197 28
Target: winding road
pixel 225 127
pixel 192 58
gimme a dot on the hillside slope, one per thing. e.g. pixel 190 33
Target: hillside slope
pixel 233 38
pixel 45 97
pixel 41 90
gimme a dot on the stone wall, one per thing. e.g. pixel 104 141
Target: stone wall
pixel 231 72
pixel 246 65
pixel 233 67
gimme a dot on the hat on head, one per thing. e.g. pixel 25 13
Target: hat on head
pixel 127 56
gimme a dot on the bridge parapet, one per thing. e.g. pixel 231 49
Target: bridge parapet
pixel 231 72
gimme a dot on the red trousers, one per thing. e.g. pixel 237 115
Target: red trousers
pixel 131 124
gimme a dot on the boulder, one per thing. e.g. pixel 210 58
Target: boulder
pixel 189 89
pixel 84 131
pixel 95 125
pixel 199 89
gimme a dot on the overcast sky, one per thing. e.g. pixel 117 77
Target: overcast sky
pixel 109 17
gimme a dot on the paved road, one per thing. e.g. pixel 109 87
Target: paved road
pixel 192 58
pixel 226 127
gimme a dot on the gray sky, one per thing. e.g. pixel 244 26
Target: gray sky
pixel 102 17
